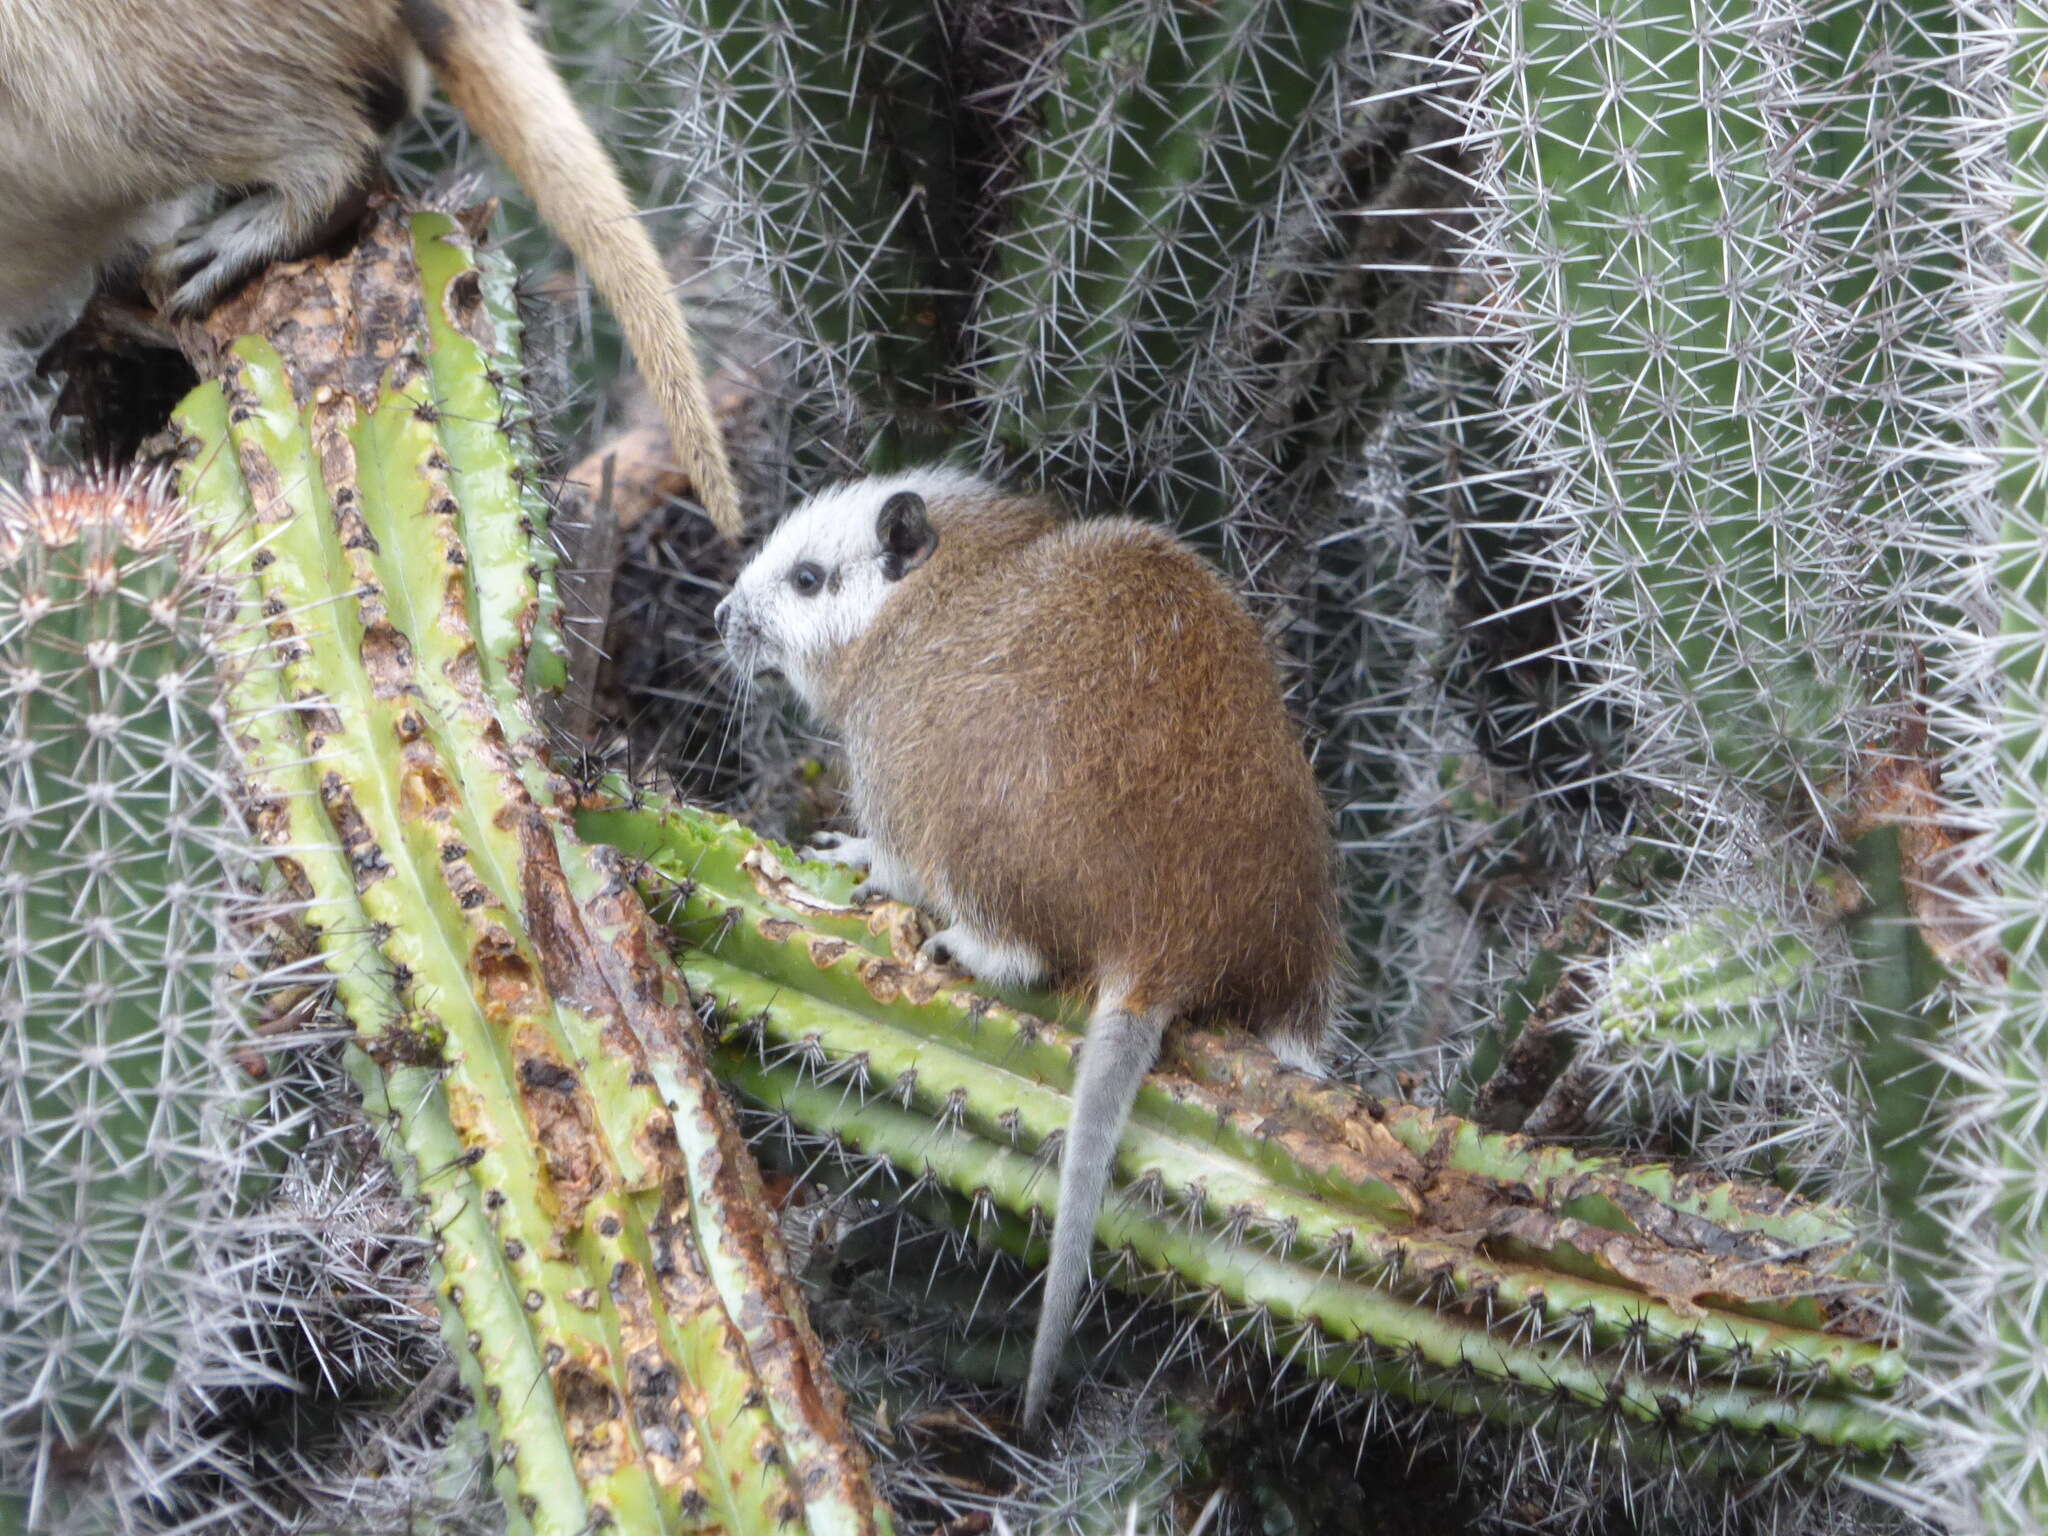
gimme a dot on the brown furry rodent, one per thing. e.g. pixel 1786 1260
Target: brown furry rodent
pixel 122 120
pixel 1067 739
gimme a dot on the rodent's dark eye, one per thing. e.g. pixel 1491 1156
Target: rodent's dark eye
pixel 807 577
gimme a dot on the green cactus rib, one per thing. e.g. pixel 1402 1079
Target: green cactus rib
pixel 1162 147
pixel 836 1009
pixel 476 391
pixel 823 118
pixel 623 1260
pixel 1699 988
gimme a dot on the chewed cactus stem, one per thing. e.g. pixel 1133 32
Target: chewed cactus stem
pixel 1247 1186
pixel 606 1268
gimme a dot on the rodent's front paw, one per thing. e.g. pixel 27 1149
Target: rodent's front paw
pixel 859 852
pixel 839 848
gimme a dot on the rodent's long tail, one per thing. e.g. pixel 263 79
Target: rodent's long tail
pixel 1120 1048
pixel 504 85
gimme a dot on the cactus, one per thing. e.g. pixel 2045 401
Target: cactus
pixel 1283 1212
pixel 1153 258
pixel 394 722
pixel 1726 349
pixel 1754 388
pixel 134 1141
pixel 1685 537
pixel 1994 1390
pixel 1724 385
pixel 390 612
pixel 1076 245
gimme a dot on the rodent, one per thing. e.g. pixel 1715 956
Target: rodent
pixel 1067 738
pixel 120 121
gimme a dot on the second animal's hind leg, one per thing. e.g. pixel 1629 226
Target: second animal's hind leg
pixel 317 198
pixel 994 961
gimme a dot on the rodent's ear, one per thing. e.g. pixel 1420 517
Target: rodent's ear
pixel 908 537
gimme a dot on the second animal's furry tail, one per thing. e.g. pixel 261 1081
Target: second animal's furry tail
pixel 504 85
pixel 1120 1048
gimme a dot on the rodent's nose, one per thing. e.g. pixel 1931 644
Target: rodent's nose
pixel 721 616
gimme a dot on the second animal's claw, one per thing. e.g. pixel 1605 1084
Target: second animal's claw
pixel 937 950
pixel 208 258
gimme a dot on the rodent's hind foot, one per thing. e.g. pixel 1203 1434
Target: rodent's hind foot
pixel 1299 1052
pixel 994 961
pixel 859 853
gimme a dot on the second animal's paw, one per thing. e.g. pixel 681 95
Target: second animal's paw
pixel 206 258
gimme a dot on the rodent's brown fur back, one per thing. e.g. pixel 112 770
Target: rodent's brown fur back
pixel 1148 765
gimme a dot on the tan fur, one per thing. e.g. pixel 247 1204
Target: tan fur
pixel 103 133
pixel 504 85
pixel 117 116
pixel 1068 741
pixel 1073 737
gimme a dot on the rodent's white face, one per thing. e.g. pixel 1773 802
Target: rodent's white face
pixel 825 572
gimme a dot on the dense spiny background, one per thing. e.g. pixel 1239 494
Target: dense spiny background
pixel 1467 650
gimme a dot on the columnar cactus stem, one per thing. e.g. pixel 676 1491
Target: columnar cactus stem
pixel 1081 243
pixel 601 1226
pixel 819 115
pixel 2007 1413
pixel 1163 143
pixel 132 1139
pixel 1281 1202
pixel 1711 229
